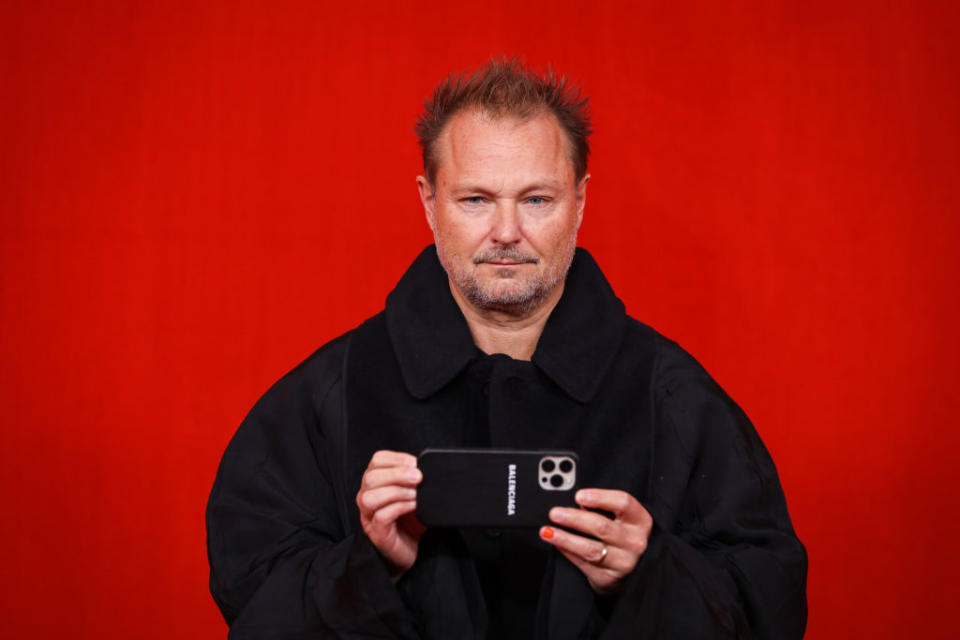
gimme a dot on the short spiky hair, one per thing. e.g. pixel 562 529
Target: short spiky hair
pixel 506 87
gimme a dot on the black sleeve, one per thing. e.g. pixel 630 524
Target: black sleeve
pixel 723 560
pixel 284 563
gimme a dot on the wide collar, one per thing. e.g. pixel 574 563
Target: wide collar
pixel 432 342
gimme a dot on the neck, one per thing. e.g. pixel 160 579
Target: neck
pixel 499 331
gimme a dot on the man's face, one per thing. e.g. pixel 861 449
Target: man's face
pixel 505 209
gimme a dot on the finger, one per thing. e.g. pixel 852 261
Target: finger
pixel 589 569
pixel 593 571
pixel 387 458
pixel 601 579
pixel 623 505
pixel 388 515
pixel 615 533
pixel 374 499
pixel 590 523
pixel 586 549
pixel 386 476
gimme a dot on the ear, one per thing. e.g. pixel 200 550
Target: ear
pixel 581 197
pixel 427 200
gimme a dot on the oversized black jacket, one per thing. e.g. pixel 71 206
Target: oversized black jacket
pixel 288 557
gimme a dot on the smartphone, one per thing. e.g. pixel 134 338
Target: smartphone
pixel 494 487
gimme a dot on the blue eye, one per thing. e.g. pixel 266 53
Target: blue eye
pixel 473 200
pixel 537 200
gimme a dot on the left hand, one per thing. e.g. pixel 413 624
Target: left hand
pixel 624 536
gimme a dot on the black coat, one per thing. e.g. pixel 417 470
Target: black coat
pixel 289 559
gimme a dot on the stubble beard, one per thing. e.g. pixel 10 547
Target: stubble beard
pixel 507 293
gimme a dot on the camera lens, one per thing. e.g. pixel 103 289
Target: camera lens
pixel 566 465
pixel 547 465
pixel 556 480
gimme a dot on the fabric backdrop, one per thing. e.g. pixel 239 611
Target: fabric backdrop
pixel 195 195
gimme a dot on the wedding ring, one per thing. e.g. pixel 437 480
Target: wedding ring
pixel 603 556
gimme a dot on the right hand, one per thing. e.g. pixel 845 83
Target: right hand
pixel 387 500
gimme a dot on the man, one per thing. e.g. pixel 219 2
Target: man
pixel 503 335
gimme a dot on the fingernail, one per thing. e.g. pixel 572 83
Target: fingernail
pixel 582 496
pixel 556 514
pixel 546 532
pixel 414 475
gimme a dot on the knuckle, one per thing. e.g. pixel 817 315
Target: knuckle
pixel 373 478
pixel 605 529
pixel 365 500
pixel 382 517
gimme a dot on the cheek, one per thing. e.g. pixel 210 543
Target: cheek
pixel 553 235
pixel 464 234
pixel 452 241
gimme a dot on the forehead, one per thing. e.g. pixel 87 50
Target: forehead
pixel 477 144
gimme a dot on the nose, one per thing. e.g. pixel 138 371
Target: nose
pixel 506 224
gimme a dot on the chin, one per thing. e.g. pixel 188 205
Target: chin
pixel 516 298
pixel 507 289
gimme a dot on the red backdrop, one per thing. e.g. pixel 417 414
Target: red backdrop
pixel 195 195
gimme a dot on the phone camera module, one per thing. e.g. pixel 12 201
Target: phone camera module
pixel 557 473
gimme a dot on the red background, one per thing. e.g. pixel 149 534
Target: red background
pixel 195 195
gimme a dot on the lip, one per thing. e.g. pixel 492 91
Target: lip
pixel 506 263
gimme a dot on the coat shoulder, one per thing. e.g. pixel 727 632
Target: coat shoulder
pixel 310 380
pixel 672 366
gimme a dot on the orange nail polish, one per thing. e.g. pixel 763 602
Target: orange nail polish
pixel 546 532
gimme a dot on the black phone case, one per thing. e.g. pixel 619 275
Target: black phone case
pixel 478 487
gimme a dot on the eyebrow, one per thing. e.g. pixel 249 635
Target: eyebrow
pixel 548 185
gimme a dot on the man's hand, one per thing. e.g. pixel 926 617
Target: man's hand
pixel 619 542
pixel 387 500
